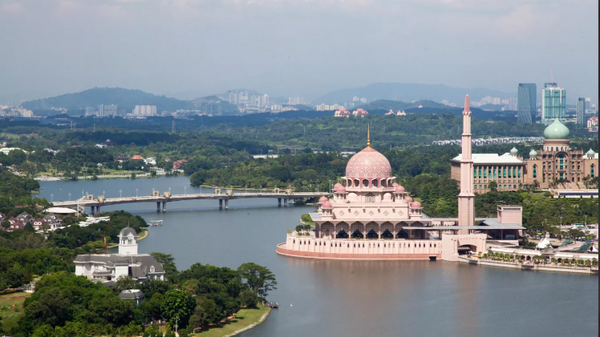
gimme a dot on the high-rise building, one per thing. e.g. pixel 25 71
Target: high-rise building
pixel 554 102
pixel 526 103
pixel 144 110
pixel 107 110
pixel 581 111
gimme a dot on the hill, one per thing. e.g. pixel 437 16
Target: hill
pixel 409 92
pixel 124 98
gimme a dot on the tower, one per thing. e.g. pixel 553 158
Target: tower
pixel 128 241
pixel 466 198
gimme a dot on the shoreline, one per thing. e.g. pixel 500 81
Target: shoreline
pixel 259 321
pixel 529 267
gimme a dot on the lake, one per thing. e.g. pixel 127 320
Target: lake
pixel 353 298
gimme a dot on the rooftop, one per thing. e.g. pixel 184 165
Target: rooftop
pixel 491 158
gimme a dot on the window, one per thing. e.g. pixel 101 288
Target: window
pixel 370 198
pixel 592 170
pixel 535 171
pixel 152 269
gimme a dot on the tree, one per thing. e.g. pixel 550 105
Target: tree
pixel 190 286
pixel 259 279
pixel 177 304
pixel 248 298
pixel 168 263
pixel 493 186
pixel 124 282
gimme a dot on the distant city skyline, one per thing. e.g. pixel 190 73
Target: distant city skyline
pixel 293 48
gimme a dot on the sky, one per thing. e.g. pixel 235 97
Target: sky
pixel 187 48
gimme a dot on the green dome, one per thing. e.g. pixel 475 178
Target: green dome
pixel 591 152
pixel 532 153
pixel 556 130
pixel 514 150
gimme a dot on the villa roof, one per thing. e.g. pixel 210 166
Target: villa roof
pixel 140 264
pixel 491 158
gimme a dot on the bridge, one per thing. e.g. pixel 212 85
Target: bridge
pixel 163 199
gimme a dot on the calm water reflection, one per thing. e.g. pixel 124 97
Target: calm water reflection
pixel 331 298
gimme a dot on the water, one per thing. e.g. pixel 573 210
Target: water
pixel 356 298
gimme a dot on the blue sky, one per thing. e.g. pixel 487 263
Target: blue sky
pixel 294 47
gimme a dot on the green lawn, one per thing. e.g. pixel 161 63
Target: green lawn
pixel 244 318
pixel 10 315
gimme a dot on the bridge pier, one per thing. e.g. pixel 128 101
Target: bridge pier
pixel 226 203
pixel 93 208
pixel 220 203
pixel 278 202
pixel 97 209
pixel 158 207
pixel 164 206
pixel 285 202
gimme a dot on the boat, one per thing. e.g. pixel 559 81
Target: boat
pixel 155 223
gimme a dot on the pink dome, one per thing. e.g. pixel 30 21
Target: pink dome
pixel 360 112
pixel 323 199
pixel 368 163
pixel 326 205
pixel 395 184
pixel 339 188
pixel 408 199
pixel 399 188
pixel 416 204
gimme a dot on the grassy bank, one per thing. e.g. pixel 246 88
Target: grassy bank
pixel 244 320
pixel 11 309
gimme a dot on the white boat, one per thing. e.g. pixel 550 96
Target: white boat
pixel 155 223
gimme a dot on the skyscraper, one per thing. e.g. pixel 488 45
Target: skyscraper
pixel 526 104
pixel 581 111
pixel 554 102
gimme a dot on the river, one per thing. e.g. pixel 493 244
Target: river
pixel 361 298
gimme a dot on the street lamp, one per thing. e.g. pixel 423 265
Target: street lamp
pixel 103 193
pixel 51 197
pixel 136 192
pixel 184 188
pixel 120 193
pixel 176 321
pixel 69 196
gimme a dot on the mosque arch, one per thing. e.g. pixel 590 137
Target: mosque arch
pixel 326 229
pixel 342 234
pixel 383 182
pixel 372 226
pixel 387 197
pixel 375 183
pixel 357 234
pixel 387 226
pixel 342 226
pixel 356 183
pixel 386 234
pixel 402 234
pixel 416 224
pixel 357 226
pixel 372 234
pixel 400 225
pixel 365 183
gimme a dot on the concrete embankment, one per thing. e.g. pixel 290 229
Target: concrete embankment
pixel 527 266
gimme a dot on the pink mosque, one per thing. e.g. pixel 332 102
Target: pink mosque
pixel 371 217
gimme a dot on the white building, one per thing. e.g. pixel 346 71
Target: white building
pixel 127 262
pixel 144 110
pixel 107 110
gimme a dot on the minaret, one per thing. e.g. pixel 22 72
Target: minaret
pixel 466 198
